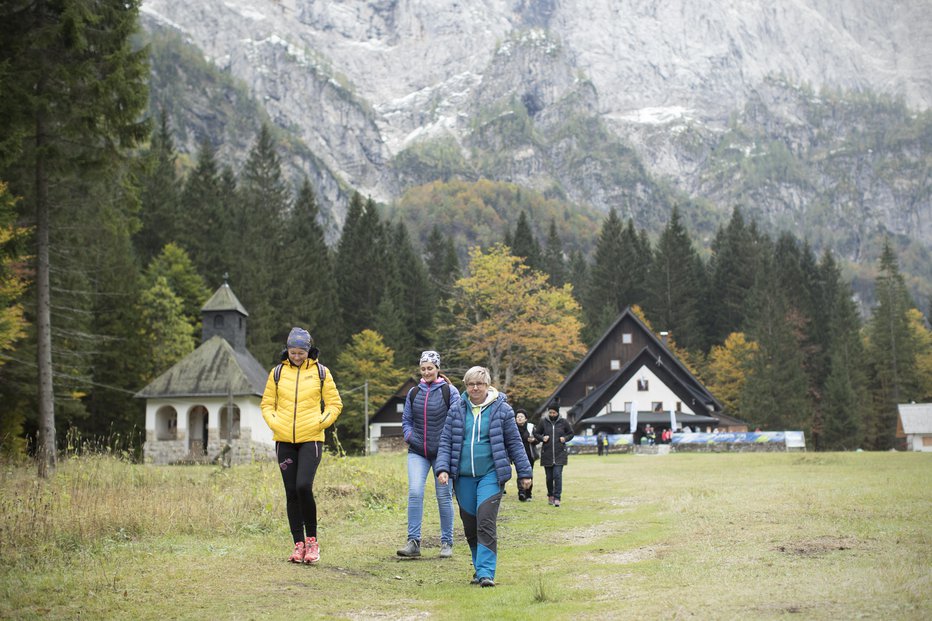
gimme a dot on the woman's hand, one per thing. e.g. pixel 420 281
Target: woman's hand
pixel 442 478
pixel 546 439
pixel 525 483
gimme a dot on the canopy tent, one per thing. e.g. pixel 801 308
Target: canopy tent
pixel 648 418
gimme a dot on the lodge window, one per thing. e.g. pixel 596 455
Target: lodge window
pixel 614 365
pixel 642 385
pixel 218 321
pixel 626 338
pixel 657 406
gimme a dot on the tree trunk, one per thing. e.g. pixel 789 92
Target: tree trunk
pixel 46 449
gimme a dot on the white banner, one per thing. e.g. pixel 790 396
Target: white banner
pixel 634 416
pixel 672 419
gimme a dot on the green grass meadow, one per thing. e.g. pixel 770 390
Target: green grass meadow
pixel 680 536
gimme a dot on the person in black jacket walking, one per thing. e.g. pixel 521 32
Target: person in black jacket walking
pixel 553 433
pixel 530 447
pixel 425 413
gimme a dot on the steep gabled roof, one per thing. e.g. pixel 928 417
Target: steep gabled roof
pixel 658 362
pixel 223 299
pixel 664 354
pixel 915 417
pixel 213 369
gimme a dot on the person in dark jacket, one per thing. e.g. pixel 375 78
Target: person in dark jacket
pixel 425 413
pixel 530 446
pixel 480 440
pixel 553 432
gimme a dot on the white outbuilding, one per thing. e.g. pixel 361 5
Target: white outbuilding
pixel 915 424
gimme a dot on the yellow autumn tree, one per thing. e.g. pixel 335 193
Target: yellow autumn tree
pixel 13 320
pixel 365 359
pixel 12 280
pixel 508 318
pixel 727 370
pixel 922 338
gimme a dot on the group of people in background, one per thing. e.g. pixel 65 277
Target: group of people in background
pixel 469 440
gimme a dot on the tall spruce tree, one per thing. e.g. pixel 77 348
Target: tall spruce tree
pixel 606 289
pixel 732 269
pixel 774 395
pixel 200 229
pixel 408 299
pixel 309 283
pixel 73 90
pixel 845 391
pixel 839 376
pixel 160 213
pixel 677 281
pixel 442 271
pixel 441 262
pixel 890 352
pixel 525 245
pixel 578 274
pixel 554 263
pixel 263 254
pixel 361 262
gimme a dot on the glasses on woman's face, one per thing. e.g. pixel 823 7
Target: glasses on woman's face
pixel 476 385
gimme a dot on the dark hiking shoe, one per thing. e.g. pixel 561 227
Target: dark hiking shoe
pixel 412 550
pixel 486 582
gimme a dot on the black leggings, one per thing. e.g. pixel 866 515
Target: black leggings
pixel 298 463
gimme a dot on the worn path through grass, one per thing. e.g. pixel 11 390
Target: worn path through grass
pixel 702 536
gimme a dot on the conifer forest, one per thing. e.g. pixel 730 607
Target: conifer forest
pixel 111 240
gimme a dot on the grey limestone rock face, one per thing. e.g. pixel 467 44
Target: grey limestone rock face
pixel 361 81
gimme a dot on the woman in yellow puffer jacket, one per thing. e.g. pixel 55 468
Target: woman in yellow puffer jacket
pixel 291 408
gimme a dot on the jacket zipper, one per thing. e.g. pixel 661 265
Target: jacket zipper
pixel 553 441
pixel 294 417
pixel 476 422
pixel 426 399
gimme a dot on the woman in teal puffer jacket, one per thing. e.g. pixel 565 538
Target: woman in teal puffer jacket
pixel 480 440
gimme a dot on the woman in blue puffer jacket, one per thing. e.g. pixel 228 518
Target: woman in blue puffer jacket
pixel 425 412
pixel 480 441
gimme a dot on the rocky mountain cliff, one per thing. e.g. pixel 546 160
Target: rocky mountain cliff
pixel 632 104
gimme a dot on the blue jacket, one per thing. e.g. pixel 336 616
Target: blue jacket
pixel 503 436
pixel 423 423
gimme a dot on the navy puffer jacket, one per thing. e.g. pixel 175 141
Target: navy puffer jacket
pixel 503 435
pixel 422 421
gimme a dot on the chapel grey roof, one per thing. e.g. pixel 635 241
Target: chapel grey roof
pixel 213 369
pixel 916 417
pixel 223 299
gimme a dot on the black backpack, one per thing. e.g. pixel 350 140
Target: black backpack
pixel 321 371
pixel 444 388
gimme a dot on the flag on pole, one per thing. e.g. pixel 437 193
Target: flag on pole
pixel 634 417
pixel 672 420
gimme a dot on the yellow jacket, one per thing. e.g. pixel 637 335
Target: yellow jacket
pixel 292 409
